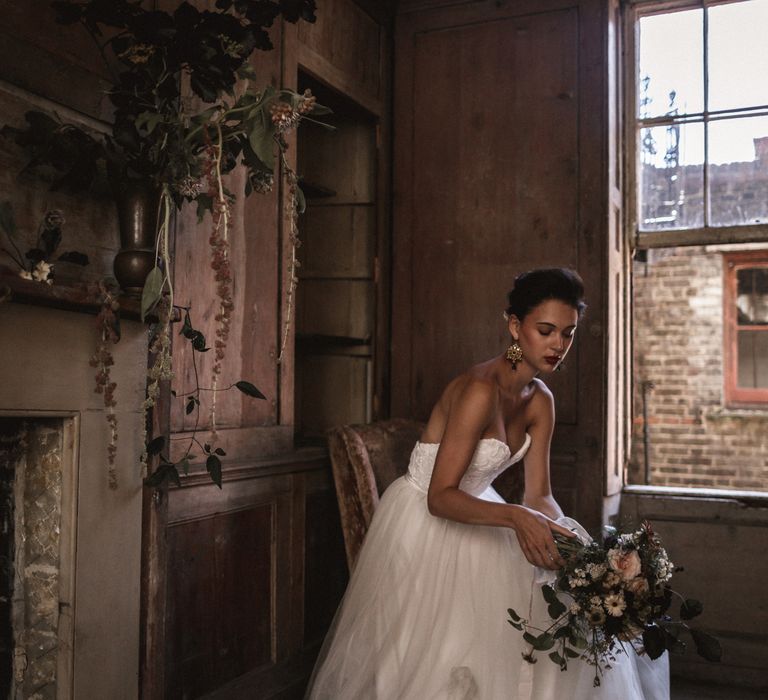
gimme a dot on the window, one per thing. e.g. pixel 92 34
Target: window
pixel 746 336
pixel 696 142
pixel 701 122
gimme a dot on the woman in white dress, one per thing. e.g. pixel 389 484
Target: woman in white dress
pixel 424 615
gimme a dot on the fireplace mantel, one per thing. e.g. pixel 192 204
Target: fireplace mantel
pixel 45 372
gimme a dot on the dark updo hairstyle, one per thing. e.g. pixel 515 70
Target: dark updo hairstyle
pixel 535 286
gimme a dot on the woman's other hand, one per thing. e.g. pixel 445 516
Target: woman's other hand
pixel 534 533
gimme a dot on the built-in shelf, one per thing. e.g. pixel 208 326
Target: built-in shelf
pixel 312 190
pixel 330 340
pixel 65 297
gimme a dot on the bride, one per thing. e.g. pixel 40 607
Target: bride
pixel 424 615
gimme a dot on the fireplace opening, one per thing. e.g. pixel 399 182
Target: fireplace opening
pixel 31 454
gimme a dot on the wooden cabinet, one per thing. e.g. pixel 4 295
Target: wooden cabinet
pixel 255 573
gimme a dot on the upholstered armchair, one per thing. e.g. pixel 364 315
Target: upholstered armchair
pixel 365 460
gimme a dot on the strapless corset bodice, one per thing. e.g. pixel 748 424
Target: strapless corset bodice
pixel 490 459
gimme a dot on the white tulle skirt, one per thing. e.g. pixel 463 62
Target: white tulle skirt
pixel 425 617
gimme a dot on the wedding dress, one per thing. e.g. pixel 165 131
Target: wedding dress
pixel 425 613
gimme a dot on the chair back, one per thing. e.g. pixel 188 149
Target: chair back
pixel 365 460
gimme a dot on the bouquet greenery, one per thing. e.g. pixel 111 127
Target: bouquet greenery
pixel 617 594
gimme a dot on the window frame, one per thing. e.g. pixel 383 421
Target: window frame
pixel 706 235
pixel 734 395
pixel 713 238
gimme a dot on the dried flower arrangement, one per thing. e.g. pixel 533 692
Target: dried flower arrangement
pixel 184 144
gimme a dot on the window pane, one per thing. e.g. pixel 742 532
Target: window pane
pixel 670 75
pixel 738 59
pixel 753 359
pixel 752 296
pixel 671 177
pixel 738 171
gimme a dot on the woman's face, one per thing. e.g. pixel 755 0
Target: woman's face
pixel 545 334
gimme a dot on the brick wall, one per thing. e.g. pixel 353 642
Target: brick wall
pixel 693 438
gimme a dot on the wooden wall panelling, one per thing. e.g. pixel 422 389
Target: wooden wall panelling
pixel 227 552
pixel 325 568
pixel 258 571
pixel 59 63
pixel 496 186
pixel 332 245
pixel 499 167
pixel 336 307
pixel 343 50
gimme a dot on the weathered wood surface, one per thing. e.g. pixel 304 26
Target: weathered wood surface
pixel 499 169
pixel 255 574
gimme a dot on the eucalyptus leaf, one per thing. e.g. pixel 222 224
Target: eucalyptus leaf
pixel 249 389
pixel 152 292
pixel 190 405
pixel 707 646
pixel 513 615
pixel 549 594
pixel 260 138
pixel 544 642
pixel 156 446
pixel 690 608
pixel 559 660
pixel 653 640
pixel 556 609
pixel 213 465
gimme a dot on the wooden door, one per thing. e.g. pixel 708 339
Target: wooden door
pixel 499 168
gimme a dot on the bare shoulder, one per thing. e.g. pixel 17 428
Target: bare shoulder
pixel 468 399
pixel 542 402
pixel 472 388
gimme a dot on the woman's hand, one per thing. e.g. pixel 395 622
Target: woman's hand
pixel 534 533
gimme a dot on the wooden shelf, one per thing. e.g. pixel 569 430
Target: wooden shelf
pixel 314 191
pixel 67 298
pixel 330 340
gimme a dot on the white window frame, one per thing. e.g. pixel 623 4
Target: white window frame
pixel 706 235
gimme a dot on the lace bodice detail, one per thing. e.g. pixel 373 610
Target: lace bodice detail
pixel 491 457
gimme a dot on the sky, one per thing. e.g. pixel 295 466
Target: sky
pixel 671 50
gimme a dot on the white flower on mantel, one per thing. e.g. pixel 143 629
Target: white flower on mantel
pixel 42 272
pixel 25 275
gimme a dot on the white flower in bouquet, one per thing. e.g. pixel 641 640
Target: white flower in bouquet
pixel 42 271
pixel 596 571
pixel 615 604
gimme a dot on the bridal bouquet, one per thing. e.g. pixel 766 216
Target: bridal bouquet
pixel 619 596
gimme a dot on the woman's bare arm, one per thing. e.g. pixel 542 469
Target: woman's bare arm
pixel 470 414
pixel 538 489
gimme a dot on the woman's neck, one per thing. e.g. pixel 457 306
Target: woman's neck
pixel 513 381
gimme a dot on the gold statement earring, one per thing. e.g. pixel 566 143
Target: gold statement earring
pixel 514 354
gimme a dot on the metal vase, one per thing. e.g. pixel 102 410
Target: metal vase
pixel 137 202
